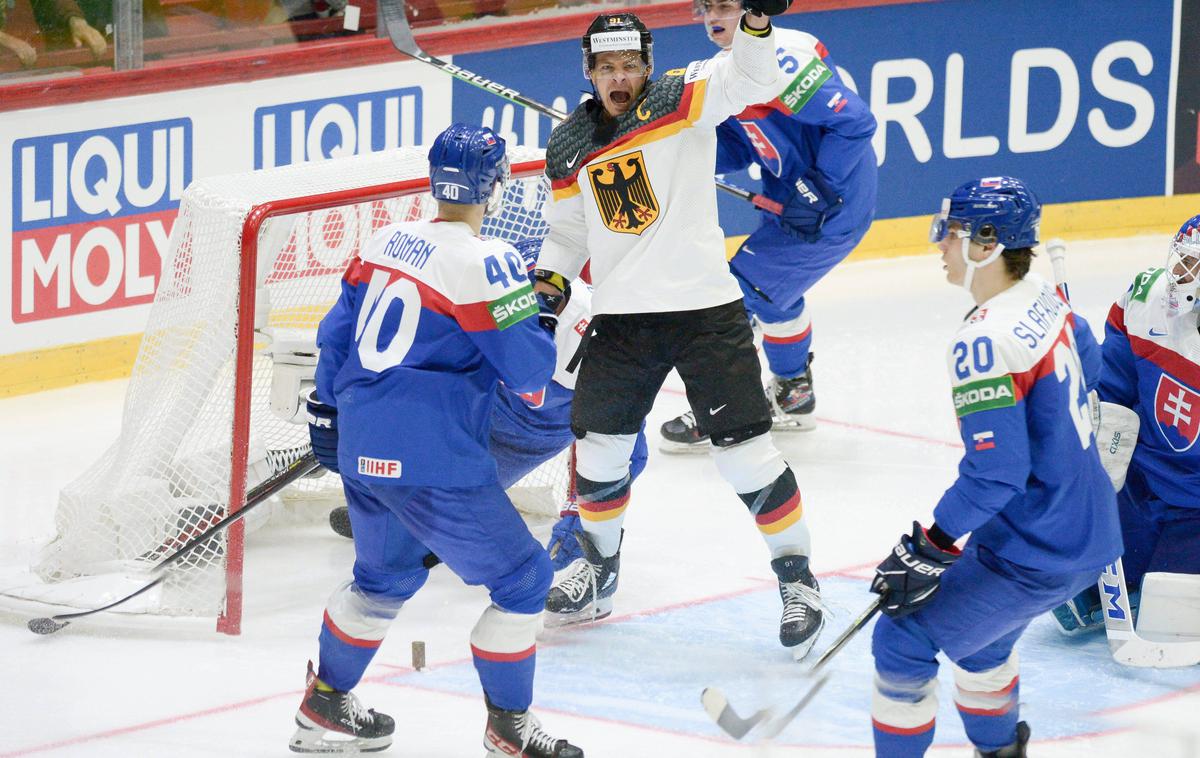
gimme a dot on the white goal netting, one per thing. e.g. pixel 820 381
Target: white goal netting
pixel 255 261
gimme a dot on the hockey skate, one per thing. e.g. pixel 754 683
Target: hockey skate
pixel 803 612
pixel 1015 750
pixel 793 402
pixel 519 734
pixel 586 591
pixel 335 722
pixel 681 435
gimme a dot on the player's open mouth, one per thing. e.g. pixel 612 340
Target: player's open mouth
pixel 619 98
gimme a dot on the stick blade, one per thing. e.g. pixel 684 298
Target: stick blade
pixel 398 29
pixel 718 709
pixel 45 625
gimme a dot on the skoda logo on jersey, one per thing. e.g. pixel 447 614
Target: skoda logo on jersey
pixel 623 193
pixel 1177 411
pixel 767 151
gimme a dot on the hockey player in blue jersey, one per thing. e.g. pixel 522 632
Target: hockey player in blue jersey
pixel 1152 376
pixel 430 319
pixel 527 432
pixel 1031 490
pixel 812 144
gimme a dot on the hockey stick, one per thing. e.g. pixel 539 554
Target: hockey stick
pixel 719 709
pixel 1126 646
pixel 395 20
pixel 303 466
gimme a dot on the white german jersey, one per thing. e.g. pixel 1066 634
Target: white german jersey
pixel 636 193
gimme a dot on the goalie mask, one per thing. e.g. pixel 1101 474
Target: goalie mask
pixel 613 32
pixel 468 165
pixel 998 210
pixel 1183 269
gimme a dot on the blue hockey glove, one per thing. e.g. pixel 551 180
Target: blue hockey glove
pixel 322 430
pixel 809 207
pixel 549 307
pixel 910 577
pixel 563 546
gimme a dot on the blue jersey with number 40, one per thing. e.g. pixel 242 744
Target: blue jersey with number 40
pixel 430 318
pixel 1030 485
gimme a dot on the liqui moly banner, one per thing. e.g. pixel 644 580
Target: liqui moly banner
pixel 92 214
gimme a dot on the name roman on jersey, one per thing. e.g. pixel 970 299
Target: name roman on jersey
pixel 409 248
pixel 983 395
pixel 513 308
pixel 1039 319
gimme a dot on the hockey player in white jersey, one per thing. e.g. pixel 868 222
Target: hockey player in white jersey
pixel 631 173
pixel 1152 372
pixel 430 319
pixel 1030 490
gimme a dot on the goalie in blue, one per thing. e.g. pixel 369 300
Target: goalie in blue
pixel 431 318
pixel 1031 490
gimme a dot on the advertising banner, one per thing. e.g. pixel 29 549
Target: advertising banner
pixel 1187 102
pixel 1077 106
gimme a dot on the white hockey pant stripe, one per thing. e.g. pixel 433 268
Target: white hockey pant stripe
pixel 988 691
pixel 789 328
pixel 360 615
pixel 499 631
pixel 604 457
pixel 904 705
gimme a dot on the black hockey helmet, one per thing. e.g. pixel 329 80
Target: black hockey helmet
pixel 616 31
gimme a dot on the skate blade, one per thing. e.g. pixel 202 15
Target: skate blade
pixel 316 739
pixel 684 448
pixel 800 424
pixel 602 610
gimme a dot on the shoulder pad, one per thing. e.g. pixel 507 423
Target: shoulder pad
pixel 569 143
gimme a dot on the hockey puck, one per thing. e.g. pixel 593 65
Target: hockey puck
pixel 418 655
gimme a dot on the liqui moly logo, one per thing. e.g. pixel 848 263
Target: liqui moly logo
pixel 336 127
pixel 92 215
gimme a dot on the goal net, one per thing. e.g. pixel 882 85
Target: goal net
pixel 255 261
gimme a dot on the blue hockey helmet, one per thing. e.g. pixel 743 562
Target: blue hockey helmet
pixel 1183 269
pixel 529 248
pixel 468 165
pixel 994 210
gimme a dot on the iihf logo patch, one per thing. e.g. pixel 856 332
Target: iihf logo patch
pixel 1177 411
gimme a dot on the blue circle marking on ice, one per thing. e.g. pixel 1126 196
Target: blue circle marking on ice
pixel 649 670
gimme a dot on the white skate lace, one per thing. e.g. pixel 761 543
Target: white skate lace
pixel 688 419
pixel 355 712
pixel 798 598
pixel 532 734
pixel 581 578
pixel 773 396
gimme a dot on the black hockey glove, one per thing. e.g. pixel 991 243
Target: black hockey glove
pixel 766 7
pixel 909 577
pixel 808 208
pixel 323 431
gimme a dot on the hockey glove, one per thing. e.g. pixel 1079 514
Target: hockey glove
pixel 548 308
pixel 323 431
pixel 766 7
pixel 909 577
pixel 563 546
pixel 808 208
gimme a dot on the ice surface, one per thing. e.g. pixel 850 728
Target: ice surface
pixel 697 604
